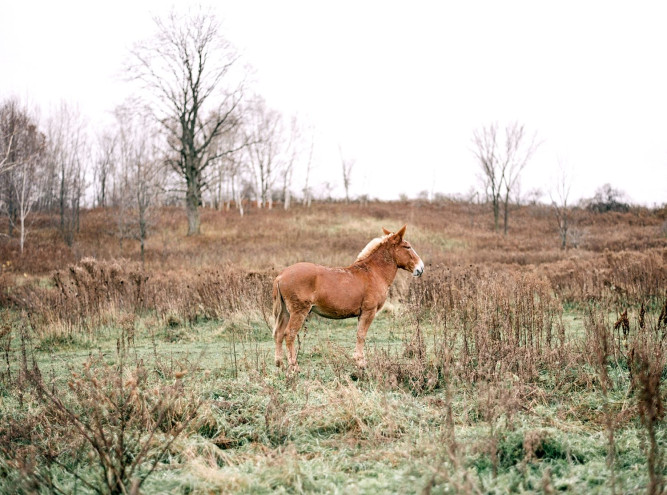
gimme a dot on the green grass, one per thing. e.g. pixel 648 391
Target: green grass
pixel 334 430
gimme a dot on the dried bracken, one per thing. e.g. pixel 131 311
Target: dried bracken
pixel 510 365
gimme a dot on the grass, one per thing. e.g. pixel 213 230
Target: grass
pixel 261 431
pixel 498 372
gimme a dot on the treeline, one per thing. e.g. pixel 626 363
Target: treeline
pixel 195 133
pixel 43 167
pixel 58 166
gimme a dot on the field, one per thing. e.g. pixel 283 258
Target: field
pixel 510 366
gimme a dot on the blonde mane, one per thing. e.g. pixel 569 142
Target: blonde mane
pixel 371 247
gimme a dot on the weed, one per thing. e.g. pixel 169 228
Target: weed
pixel 511 365
pixel 113 418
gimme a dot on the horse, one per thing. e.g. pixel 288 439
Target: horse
pixel 358 290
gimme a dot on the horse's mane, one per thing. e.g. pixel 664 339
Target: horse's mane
pixel 371 247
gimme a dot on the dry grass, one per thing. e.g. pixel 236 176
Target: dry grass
pixel 622 257
pixel 485 373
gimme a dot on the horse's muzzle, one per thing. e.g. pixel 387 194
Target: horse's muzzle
pixel 419 269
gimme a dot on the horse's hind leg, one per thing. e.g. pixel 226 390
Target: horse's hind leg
pixel 296 320
pixel 279 335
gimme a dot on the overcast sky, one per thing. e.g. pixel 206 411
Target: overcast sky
pixel 400 86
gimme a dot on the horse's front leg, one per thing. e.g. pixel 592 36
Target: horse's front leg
pixel 365 320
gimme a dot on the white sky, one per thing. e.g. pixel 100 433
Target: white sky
pixel 399 85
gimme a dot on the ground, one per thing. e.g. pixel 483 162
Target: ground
pixel 503 370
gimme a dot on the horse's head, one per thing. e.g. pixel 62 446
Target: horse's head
pixel 404 254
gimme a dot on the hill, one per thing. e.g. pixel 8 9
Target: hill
pixel 511 365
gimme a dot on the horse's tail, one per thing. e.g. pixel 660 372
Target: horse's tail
pixel 278 303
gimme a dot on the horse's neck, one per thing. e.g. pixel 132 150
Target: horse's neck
pixel 381 262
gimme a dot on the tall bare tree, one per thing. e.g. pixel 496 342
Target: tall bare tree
pixel 12 123
pixel 6 138
pixel 347 166
pixel 485 149
pixel 188 67
pixel 264 135
pixel 7 141
pixel 25 146
pixel 502 158
pixel 25 183
pixel 559 194
pixel 67 152
pixel 288 171
pixel 225 170
pixel 104 166
pixel 307 188
pixel 142 179
pixel 292 151
pixel 234 173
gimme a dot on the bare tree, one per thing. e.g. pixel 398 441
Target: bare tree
pixel 502 159
pixel 347 166
pixel 226 173
pixel 188 66
pixel 66 153
pixel 307 189
pixel 234 168
pixel 485 149
pixel 519 148
pixel 6 142
pixel 12 122
pixel 608 199
pixel 293 149
pixel 104 165
pixel 24 183
pixel 142 178
pixel 287 181
pixel 25 146
pixel 264 135
pixel 216 183
pixel 559 195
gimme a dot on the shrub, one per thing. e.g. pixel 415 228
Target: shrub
pixel 115 420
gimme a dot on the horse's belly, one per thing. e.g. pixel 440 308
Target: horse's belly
pixel 334 313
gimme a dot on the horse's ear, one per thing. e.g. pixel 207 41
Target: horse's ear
pixel 401 232
pixel 386 232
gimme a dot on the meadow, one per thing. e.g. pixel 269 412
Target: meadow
pixel 510 366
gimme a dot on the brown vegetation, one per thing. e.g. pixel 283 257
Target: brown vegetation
pixel 229 268
pixel 487 320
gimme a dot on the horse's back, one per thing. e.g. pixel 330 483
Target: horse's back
pixel 300 273
pixel 312 276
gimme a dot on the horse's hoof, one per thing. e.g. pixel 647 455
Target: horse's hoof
pixel 358 375
pixel 361 364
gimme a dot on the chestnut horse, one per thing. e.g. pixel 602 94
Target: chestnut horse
pixel 358 290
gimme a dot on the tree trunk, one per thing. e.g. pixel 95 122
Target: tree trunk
pixel 505 219
pixel 77 211
pixel 22 241
pixel 496 213
pixel 563 233
pixel 192 208
pixel 11 213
